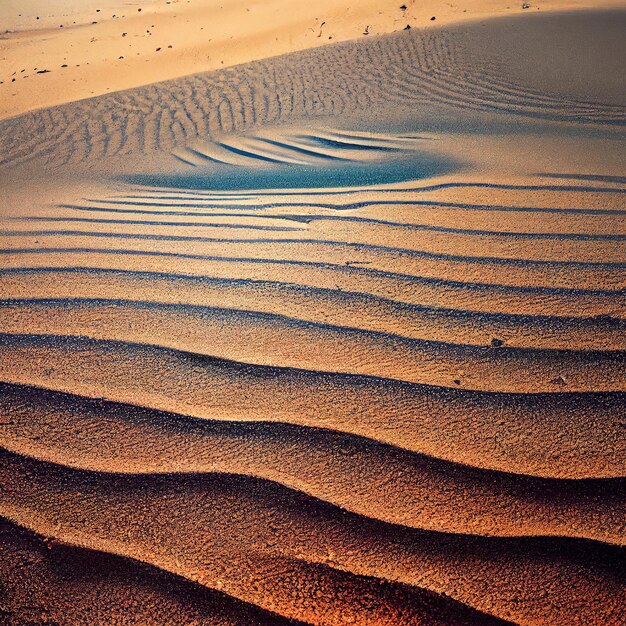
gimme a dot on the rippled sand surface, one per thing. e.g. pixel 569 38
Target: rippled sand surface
pixel 336 337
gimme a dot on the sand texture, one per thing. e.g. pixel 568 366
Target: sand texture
pixel 329 337
pixel 65 50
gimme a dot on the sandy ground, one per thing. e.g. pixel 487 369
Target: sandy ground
pixel 334 337
pixel 52 53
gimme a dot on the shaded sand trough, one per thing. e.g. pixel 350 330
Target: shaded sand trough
pixel 335 337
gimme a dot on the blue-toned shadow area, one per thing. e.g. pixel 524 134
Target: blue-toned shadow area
pixel 345 173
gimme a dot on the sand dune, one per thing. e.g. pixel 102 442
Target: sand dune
pixel 79 586
pixel 197 527
pixel 333 337
pixel 426 76
pixel 52 54
pixel 367 478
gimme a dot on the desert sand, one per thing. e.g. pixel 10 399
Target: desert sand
pixel 312 318
pixel 57 52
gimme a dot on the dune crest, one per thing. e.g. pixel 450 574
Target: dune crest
pixel 88 48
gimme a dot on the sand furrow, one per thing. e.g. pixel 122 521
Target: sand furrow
pixel 540 222
pixel 342 284
pixel 373 259
pixel 70 584
pixel 372 601
pixel 367 478
pixel 289 304
pixel 381 257
pixel 380 228
pixel 556 434
pixel 347 245
pixel 274 341
pixel 273 525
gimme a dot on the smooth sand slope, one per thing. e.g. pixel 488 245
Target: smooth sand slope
pixel 57 52
pixel 335 337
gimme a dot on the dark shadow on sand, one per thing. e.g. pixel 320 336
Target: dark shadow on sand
pixel 283 176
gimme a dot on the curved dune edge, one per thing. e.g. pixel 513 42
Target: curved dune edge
pixel 425 606
pixel 69 583
pixel 352 286
pixel 576 254
pixel 355 545
pixel 269 341
pixel 486 281
pixel 401 414
pixel 332 311
pixel 368 478
pixel 528 528
pixel 421 74
pixel 301 250
pixel 197 39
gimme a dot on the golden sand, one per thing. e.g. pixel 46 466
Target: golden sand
pixel 88 48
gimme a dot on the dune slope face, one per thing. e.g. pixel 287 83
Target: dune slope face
pixel 331 338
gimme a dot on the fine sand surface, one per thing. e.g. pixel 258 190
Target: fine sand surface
pixel 53 52
pixel 333 337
